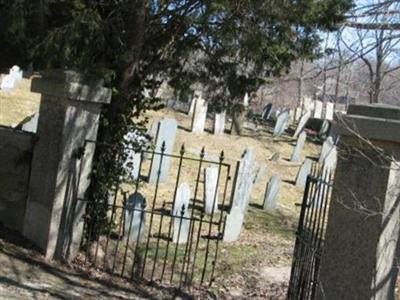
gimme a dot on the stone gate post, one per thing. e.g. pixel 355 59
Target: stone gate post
pixel 69 114
pixel 361 249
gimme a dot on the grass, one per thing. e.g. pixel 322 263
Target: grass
pixel 267 237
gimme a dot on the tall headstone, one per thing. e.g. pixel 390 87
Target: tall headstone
pixel 181 214
pixel 233 226
pixel 7 82
pixel 330 159
pixel 327 146
pixel 267 111
pixel 165 134
pixel 361 245
pixel 219 123
pixel 296 155
pixel 302 123
pixel 16 73
pixel 244 182
pixel 199 116
pixel 135 217
pixel 246 100
pixel 297 115
pixel 272 193
pixel 281 123
pixel 318 107
pixel 303 173
pixel 196 95
pixel 211 190
pixel 329 111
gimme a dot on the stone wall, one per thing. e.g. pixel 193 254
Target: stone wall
pixel 15 161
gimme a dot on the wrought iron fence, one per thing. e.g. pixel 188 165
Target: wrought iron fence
pixel 310 234
pixel 156 240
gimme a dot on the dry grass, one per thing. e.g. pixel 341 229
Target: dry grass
pixel 18 103
pixel 267 237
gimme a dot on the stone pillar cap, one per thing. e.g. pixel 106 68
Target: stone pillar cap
pixel 370 121
pixel 71 85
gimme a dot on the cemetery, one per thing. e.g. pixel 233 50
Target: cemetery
pixel 196 150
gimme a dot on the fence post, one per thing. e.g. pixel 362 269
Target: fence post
pixel 362 238
pixel 69 114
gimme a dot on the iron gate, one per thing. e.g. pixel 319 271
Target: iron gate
pixel 177 247
pixel 310 234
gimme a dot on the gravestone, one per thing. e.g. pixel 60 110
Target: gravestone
pixel 302 123
pixel 261 171
pixel 233 225
pixel 324 130
pixel 244 182
pixel 211 190
pixel 246 100
pixel 296 155
pixel 326 148
pixel 304 171
pixel 308 105
pixel 196 95
pixel 272 192
pixel 199 116
pixel 32 124
pixel 267 111
pixel 166 132
pixel 329 111
pixel 318 106
pixel 181 211
pixel 135 218
pixel 132 162
pixel 281 123
pixel 275 157
pixel 219 123
pixel 330 159
pixel 297 115
pixel 7 82
pixel 16 73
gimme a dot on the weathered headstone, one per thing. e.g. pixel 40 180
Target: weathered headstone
pixel 244 182
pixel 297 115
pixel 166 133
pixel 246 100
pixel 324 130
pixel 219 123
pixel 326 148
pixel 329 111
pixel 275 157
pixel 302 123
pixel 308 105
pixel 267 111
pixel 318 106
pixel 7 82
pixel 135 217
pixel 296 155
pixel 181 213
pixel 272 192
pixel 16 73
pixel 233 226
pixel 196 95
pixel 304 171
pixel 211 190
pixel 31 125
pixel 330 159
pixel 199 116
pixel 281 123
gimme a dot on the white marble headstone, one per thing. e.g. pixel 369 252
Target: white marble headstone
pixel 180 212
pixel 211 190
